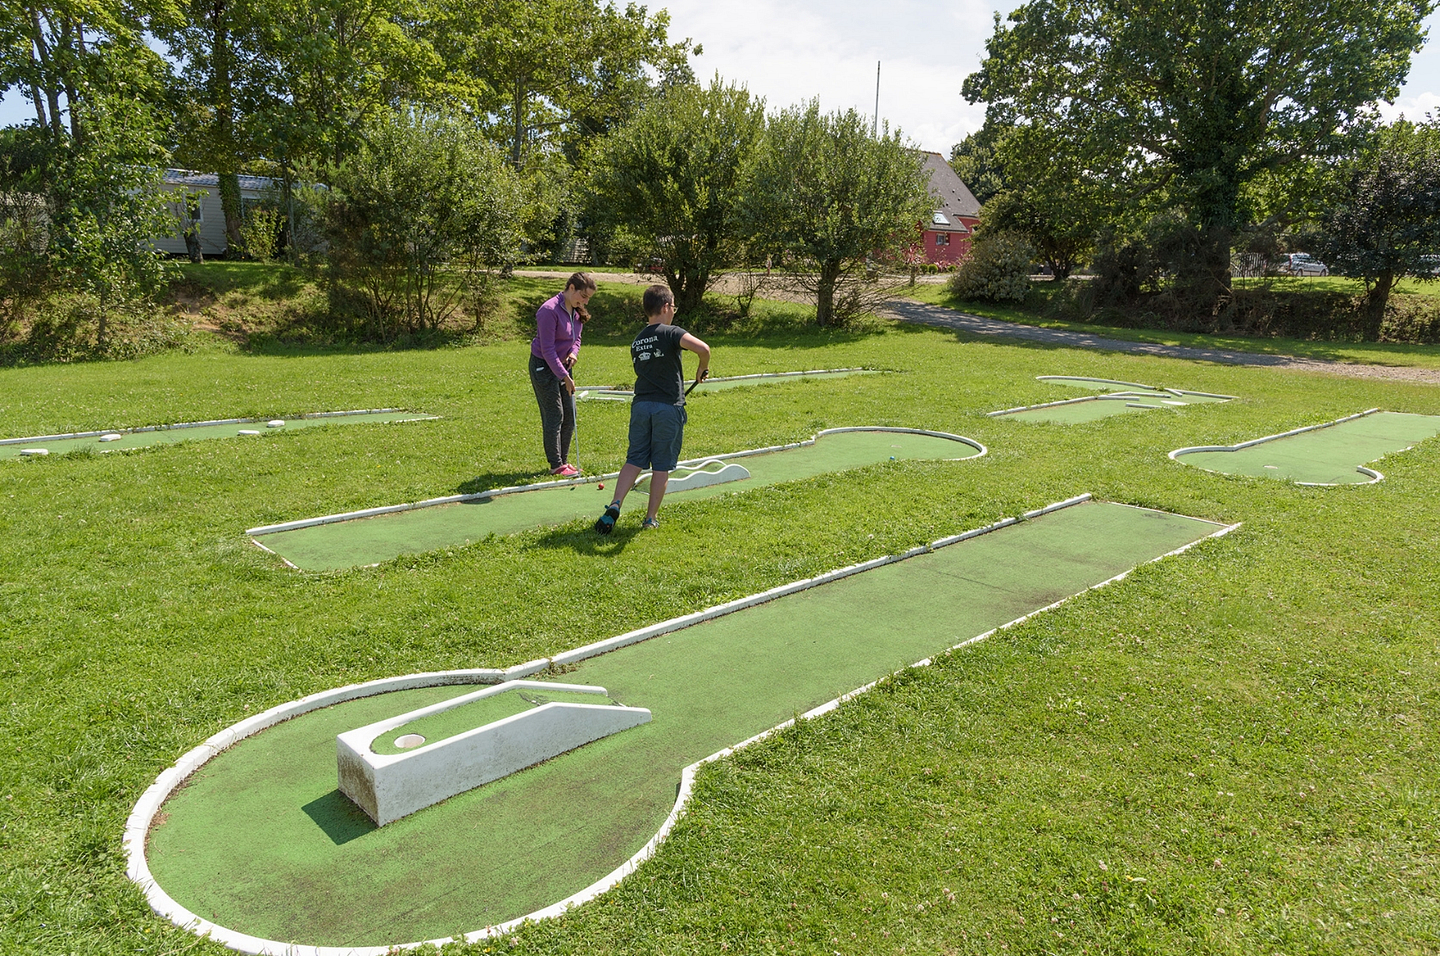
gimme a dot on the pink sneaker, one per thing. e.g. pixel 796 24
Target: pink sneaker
pixel 565 471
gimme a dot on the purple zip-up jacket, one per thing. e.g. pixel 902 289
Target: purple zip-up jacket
pixel 557 335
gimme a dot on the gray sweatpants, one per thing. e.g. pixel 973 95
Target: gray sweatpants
pixel 557 412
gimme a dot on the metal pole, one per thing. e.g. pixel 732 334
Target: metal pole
pixel 875 130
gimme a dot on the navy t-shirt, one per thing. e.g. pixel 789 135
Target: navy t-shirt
pixel 659 376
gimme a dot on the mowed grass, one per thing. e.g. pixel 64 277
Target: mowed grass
pixel 1230 751
pixel 1373 353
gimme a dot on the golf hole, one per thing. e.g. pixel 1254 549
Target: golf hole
pixel 275 423
pixel 34 451
pixel 1272 466
pixel 248 431
pixel 110 437
pixel 409 741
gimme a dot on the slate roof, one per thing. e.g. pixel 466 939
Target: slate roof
pixel 955 200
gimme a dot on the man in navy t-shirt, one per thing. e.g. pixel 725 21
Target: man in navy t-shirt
pixel 657 413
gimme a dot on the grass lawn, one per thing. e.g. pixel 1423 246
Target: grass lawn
pixel 1230 751
pixel 1373 353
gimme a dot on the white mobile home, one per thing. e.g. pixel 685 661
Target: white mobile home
pixel 199 193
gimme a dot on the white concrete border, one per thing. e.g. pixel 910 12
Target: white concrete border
pixel 587 479
pixel 1149 388
pixel 1373 475
pixel 1087 378
pixel 1111 396
pixel 698 477
pixel 220 421
pixel 142 817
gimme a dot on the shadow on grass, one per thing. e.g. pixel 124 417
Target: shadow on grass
pixel 493 480
pixel 588 541
pixel 339 818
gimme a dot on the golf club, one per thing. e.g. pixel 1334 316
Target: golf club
pixel 698 379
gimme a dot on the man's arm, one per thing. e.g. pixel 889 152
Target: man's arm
pixel 695 345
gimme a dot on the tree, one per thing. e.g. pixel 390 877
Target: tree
pixel 1198 97
pixel 976 163
pixel 1384 220
pixel 330 67
pixel 1051 199
pixel 62 54
pixel 214 73
pixel 834 198
pixel 413 216
pixel 106 212
pixel 555 71
pixel 671 183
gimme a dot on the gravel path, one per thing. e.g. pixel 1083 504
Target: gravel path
pixel 941 317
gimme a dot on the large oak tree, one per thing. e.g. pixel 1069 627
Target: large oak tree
pixel 1192 99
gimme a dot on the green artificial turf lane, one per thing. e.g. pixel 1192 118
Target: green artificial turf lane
pixel 1075 412
pixel 170 434
pixel 740 381
pixel 1327 456
pixel 1089 410
pixel 260 841
pixel 362 541
pixel 1122 398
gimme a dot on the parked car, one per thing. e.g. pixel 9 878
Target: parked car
pixel 1430 264
pixel 1303 264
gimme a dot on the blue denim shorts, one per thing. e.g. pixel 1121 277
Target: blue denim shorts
pixel 656 430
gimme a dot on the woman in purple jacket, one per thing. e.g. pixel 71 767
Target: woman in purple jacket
pixel 552 356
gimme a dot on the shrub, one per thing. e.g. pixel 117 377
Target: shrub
pixel 24 274
pixel 998 270
pixel 422 206
pixel 260 233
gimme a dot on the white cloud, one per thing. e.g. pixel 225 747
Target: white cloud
pixel 1413 108
pixel 791 52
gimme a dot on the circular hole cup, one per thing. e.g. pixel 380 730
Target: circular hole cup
pixel 409 741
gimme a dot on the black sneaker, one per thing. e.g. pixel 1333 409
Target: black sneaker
pixel 606 524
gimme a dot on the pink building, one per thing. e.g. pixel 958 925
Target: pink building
pixel 957 213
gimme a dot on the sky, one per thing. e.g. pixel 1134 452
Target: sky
pixel 792 51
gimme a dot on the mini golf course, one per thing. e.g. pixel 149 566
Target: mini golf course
pixel 368 537
pixel 192 431
pixel 248 838
pixel 612 393
pixel 1117 398
pixel 1334 453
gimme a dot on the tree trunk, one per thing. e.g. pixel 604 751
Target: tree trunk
pixel 222 98
pixel 519 137
pixel 1375 302
pixel 230 203
pixel 689 295
pixel 825 292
